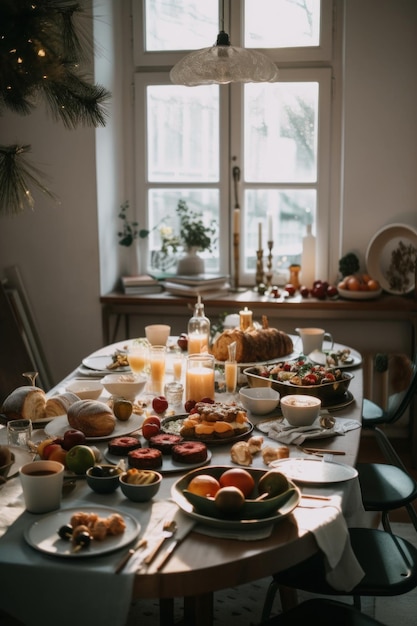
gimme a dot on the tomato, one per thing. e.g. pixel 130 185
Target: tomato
pixel 204 485
pixel 240 478
pixel 310 379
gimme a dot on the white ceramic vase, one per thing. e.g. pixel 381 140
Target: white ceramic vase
pixel 190 264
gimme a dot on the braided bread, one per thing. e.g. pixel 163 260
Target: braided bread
pixel 253 344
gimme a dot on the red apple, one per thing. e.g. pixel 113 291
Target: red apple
pixel 207 400
pixel 159 404
pixel 275 292
pixel 189 405
pixel 304 291
pixel 182 341
pixel 290 289
pixel 47 451
pixel 73 438
pixel 150 430
pixel 331 291
pixel 152 419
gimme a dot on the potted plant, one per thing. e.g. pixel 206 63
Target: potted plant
pixel 129 233
pixel 195 236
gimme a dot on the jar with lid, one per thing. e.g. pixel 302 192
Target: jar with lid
pixel 198 330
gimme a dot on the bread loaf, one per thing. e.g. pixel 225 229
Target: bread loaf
pixel 93 418
pixel 253 345
pixel 32 403
pixel 25 402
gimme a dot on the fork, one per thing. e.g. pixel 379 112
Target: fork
pixel 168 530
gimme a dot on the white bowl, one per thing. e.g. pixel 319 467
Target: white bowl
pixel 300 410
pixel 85 389
pixel 259 400
pixel 126 386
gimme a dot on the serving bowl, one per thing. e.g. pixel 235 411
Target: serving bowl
pixel 85 389
pixel 300 410
pixel 126 386
pixel 259 400
pixel 141 491
pixel 328 392
pixel 252 509
pixel 103 478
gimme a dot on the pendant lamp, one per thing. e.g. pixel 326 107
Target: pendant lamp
pixel 222 64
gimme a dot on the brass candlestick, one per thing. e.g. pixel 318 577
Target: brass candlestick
pixel 259 267
pixel 269 273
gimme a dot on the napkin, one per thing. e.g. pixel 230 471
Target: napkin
pixel 343 571
pixel 242 535
pixel 281 431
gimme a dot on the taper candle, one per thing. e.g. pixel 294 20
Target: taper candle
pixel 259 236
pixel 270 228
pixel 236 221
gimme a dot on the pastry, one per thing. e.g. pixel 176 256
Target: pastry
pixel 189 452
pixel 240 453
pixel 93 418
pixel 121 446
pixel 164 442
pixel 145 458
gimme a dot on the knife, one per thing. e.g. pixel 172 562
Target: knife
pixel 140 544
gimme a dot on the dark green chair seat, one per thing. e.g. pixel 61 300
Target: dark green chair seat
pixel 323 611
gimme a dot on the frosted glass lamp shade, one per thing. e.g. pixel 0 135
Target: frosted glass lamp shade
pixel 222 64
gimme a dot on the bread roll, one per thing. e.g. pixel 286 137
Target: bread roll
pixel 93 418
pixel 25 402
pixel 59 405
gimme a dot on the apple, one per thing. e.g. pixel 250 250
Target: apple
pixel 290 289
pixel 207 400
pixel 304 291
pixel 150 430
pixel 189 405
pixel 73 438
pixel 275 292
pixel 80 458
pixel 273 483
pixel 182 341
pixel 331 291
pixel 47 451
pixel 58 454
pixel 159 404
pixel 152 419
pixel 122 409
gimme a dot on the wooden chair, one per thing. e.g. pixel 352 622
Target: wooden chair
pixel 389 563
pixel 388 486
pixel 323 611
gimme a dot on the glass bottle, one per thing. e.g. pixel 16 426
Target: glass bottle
pixel 308 259
pixel 198 330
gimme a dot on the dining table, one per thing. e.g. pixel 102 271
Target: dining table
pixel 40 586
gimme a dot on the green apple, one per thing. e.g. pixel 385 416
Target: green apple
pixel 80 458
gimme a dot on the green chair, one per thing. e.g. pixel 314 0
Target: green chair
pixel 389 563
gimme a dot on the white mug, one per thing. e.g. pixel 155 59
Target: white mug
pixel 312 339
pixel 42 485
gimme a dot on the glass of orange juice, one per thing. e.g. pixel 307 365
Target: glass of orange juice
pixel 230 375
pixel 138 357
pixel 177 363
pixel 157 358
pixel 199 377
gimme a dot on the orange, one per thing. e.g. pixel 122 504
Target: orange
pixel 353 283
pixel 204 485
pixel 59 454
pixel 240 478
pixel 373 285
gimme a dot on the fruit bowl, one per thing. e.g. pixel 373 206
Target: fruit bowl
pixel 333 391
pixel 143 491
pixel 259 400
pixel 126 386
pixel 252 508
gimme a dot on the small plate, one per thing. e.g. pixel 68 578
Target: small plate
pixel 169 466
pixel 43 534
pixel 320 357
pixel 60 424
pixel 359 295
pixel 314 471
pixel 172 425
pixel 379 257
pixel 101 364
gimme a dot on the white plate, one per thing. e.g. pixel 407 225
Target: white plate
pixel 314 471
pixel 214 522
pixel 101 363
pixel 359 295
pixel 43 534
pixel 169 466
pixel 379 255
pixel 60 424
pixel 320 357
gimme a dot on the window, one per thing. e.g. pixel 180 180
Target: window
pixel 275 137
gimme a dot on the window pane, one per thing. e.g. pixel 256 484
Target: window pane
pixel 280 131
pixel 162 204
pixel 181 24
pixel 183 133
pixel 290 210
pixel 281 23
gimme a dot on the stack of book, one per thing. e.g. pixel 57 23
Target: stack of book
pixel 200 284
pixel 141 284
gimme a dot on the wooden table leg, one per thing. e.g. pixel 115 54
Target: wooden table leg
pixel 198 610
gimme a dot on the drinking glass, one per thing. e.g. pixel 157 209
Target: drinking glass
pixel 138 357
pixel 230 375
pixel 157 357
pixel 31 376
pixel 19 432
pixel 177 363
pixel 199 377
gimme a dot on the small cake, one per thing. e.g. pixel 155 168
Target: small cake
pixel 121 446
pixel 164 442
pixel 189 452
pixel 145 458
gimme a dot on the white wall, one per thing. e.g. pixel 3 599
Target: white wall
pixel 56 247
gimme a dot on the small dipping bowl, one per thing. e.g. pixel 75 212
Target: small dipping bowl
pixel 103 478
pixel 259 400
pixel 141 492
